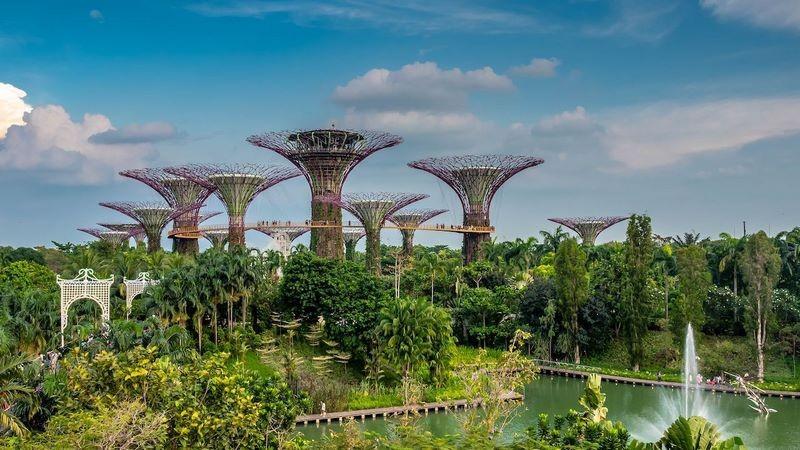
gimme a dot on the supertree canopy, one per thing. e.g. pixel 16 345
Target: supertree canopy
pixel 408 221
pixel 283 236
pixel 236 185
pixel 178 192
pixel 152 216
pixel 217 238
pixel 476 179
pixel 588 228
pixel 372 209
pixel 325 157
pixel 133 229
pixel 115 238
pixel 351 238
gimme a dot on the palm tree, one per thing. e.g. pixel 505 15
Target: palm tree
pixel 731 248
pixel 694 433
pixel 688 239
pixel 12 391
pixel 551 241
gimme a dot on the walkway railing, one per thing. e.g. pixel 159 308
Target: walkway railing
pixel 196 232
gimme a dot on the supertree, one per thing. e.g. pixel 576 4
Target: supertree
pixel 178 193
pixel 153 216
pixel 133 229
pixel 207 215
pixel 325 157
pixel 236 185
pixel 283 236
pixel 476 179
pixel 408 221
pixel 588 228
pixel 372 209
pixel 351 238
pixel 115 238
pixel 217 238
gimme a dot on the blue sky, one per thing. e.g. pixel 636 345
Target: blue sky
pixel 688 111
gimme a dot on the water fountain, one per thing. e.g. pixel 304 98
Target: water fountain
pixel 690 375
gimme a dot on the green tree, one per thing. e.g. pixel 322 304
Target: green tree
pixel 416 335
pixel 761 268
pixel 695 282
pixel 636 302
pixel 572 290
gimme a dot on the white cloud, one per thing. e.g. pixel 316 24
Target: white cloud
pixel 416 122
pixel 538 68
pixel 52 146
pixel 407 17
pixel 643 20
pixel 12 107
pixel 136 134
pixel 97 15
pixel 418 86
pixel 660 135
pixel 780 14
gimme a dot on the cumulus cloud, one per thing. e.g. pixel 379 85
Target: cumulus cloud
pixel 136 134
pixel 659 135
pixel 12 107
pixel 538 68
pixel 418 86
pixel 779 14
pixel 51 145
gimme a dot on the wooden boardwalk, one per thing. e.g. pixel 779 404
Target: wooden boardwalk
pixel 392 411
pixel 652 383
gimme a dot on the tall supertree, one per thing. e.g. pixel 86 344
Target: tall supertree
pixel 115 238
pixel 372 209
pixel 283 236
pixel 153 216
pixel 133 229
pixel 476 179
pixel 236 185
pixel 217 238
pixel 588 228
pixel 178 192
pixel 351 238
pixel 409 221
pixel 325 157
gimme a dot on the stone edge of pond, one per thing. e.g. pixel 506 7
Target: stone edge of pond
pixel 390 411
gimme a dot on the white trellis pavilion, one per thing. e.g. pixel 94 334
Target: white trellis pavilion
pixel 84 286
pixel 135 287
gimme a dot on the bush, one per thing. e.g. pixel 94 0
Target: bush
pixel 344 293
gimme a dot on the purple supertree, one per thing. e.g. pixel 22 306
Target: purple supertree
pixel 372 209
pixel 325 157
pixel 351 238
pixel 217 238
pixel 236 185
pixel 588 228
pixel 153 216
pixel 476 179
pixel 178 193
pixel 409 221
pixel 133 229
pixel 115 238
pixel 283 236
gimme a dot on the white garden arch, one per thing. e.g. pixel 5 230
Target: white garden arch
pixel 84 286
pixel 135 287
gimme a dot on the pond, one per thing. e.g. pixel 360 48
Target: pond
pixel 645 411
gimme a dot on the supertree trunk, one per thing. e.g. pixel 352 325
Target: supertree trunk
pixel 408 244
pixel 235 231
pixel 327 242
pixel 350 250
pixel 373 253
pixel 473 242
pixel 187 246
pixel 153 242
